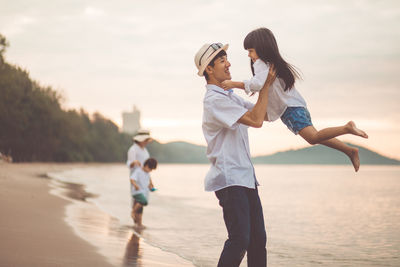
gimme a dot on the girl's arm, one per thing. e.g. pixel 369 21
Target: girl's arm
pixel 151 184
pixel 135 184
pixel 228 84
pixel 256 116
pixel 256 82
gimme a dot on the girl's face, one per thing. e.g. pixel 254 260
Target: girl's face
pixel 252 54
pixel 147 169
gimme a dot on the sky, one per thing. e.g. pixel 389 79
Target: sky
pixel 107 56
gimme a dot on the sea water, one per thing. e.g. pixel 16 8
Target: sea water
pixel 315 215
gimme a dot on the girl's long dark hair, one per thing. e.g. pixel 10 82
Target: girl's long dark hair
pixel 263 41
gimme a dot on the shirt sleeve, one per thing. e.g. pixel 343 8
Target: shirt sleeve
pixel 225 112
pixel 258 80
pixel 131 156
pixel 248 105
pixel 136 175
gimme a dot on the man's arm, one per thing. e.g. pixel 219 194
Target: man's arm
pixel 255 117
pixel 135 163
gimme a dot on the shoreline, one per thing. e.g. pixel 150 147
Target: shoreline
pixel 60 227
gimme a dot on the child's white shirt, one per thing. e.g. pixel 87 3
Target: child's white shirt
pixel 278 99
pixel 142 179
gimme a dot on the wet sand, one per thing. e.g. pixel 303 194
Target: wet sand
pixel 34 230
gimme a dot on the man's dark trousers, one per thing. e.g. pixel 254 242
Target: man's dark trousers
pixel 244 221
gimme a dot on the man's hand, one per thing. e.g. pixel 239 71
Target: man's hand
pixel 135 163
pixel 255 117
pixel 271 76
pixel 227 84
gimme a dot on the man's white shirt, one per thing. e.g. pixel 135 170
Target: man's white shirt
pixel 227 140
pixel 135 152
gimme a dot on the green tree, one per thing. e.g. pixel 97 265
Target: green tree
pixel 3 46
pixel 34 127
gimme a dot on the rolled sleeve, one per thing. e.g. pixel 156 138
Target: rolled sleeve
pixel 226 112
pixel 256 83
pixel 247 86
pixel 131 156
pixel 248 105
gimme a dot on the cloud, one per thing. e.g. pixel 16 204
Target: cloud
pixel 17 25
pixel 93 12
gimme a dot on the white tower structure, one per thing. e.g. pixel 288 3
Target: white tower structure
pixel 131 121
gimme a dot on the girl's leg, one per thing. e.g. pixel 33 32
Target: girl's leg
pixel 139 217
pixel 133 210
pixel 312 136
pixel 138 211
pixel 351 152
pixel 309 134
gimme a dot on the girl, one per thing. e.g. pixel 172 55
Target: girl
pixel 284 100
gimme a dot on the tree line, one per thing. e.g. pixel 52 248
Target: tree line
pixel 34 126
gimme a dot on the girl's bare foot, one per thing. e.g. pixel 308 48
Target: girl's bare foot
pixel 351 127
pixel 355 160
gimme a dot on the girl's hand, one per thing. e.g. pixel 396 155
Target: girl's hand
pixel 227 84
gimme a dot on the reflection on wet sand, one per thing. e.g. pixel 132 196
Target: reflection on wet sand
pixel 120 244
pixel 132 252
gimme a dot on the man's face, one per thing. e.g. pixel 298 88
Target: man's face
pixel 148 141
pixel 220 71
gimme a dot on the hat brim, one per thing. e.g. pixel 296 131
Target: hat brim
pixel 141 138
pixel 209 59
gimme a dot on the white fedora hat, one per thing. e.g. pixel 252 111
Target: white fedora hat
pixel 206 53
pixel 142 135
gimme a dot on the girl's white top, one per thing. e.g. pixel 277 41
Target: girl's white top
pixel 278 99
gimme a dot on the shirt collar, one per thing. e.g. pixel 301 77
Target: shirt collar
pixel 218 89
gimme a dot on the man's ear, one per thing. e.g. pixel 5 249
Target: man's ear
pixel 209 70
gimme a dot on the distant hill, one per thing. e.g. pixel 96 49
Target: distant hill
pixel 178 152
pixel 320 154
pixel 183 152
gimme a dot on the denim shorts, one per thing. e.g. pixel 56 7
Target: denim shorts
pixel 296 118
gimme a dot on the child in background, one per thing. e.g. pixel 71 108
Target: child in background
pixel 284 101
pixel 141 185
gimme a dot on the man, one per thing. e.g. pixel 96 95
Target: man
pixel 226 118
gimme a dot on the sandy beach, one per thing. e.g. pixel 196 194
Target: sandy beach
pixel 33 230
pixel 32 227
